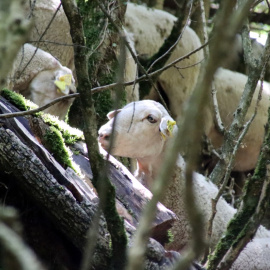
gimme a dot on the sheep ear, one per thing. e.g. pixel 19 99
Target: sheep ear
pixel 167 128
pixel 63 83
pixel 112 114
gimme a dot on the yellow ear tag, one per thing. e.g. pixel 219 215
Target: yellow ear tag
pixel 170 125
pixel 63 82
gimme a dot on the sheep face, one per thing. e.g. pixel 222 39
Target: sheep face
pixel 51 84
pixel 141 130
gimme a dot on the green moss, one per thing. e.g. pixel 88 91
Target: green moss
pixel 102 68
pixel 69 134
pixel 170 236
pixel 55 142
pixel 17 100
pixel 58 135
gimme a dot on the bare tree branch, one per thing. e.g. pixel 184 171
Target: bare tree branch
pixel 228 240
pixel 178 29
pixel 40 38
pixel 103 185
pixel 102 88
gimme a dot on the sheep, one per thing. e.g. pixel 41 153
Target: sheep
pixel 142 131
pixel 150 28
pixel 43 80
pixel 236 60
pixel 38 81
pixel 229 86
pixel 57 39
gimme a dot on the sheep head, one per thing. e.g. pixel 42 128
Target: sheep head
pixel 142 130
pixel 51 84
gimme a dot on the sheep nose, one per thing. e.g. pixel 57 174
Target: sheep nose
pixel 103 136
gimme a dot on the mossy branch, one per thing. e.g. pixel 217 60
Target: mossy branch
pixel 235 129
pixel 255 202
pixel 234 235
pixel 105 188
pixel 223 34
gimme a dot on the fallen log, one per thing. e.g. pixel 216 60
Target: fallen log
pixel 66 199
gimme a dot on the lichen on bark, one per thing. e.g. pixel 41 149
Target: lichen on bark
pixel 102 42
pixel 254 204
pixel 89 69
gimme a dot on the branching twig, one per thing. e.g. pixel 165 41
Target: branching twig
pixel 229 149
pixel 169 51
pixel 106 190
pixel 102 88
pixel 132 53
pixel 200 96
pixel 235 128
pixel 217 118
pixel 40 38
pixel 233 155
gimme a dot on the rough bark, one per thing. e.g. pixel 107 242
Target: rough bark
pixel 90 69
pixel 68 202
pixel 254 204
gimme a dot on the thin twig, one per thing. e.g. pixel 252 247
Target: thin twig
pixel 250 87
pixel 46 29
pixel 217 118
pixel 232 159
pixel 204 36
pixel 102 40
pixel 32 7
pixel 175 44
pixel 133 112
pixel 101 88
pixel 133 54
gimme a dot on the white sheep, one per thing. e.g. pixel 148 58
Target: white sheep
pixel 235 61
pixel 43 79
pixel 58 42
pixel 150 28
pixel 230 86
pixel 142 131
pixel 38 81
pixel 57 39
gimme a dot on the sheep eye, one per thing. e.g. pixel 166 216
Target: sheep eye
pixel 151 119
